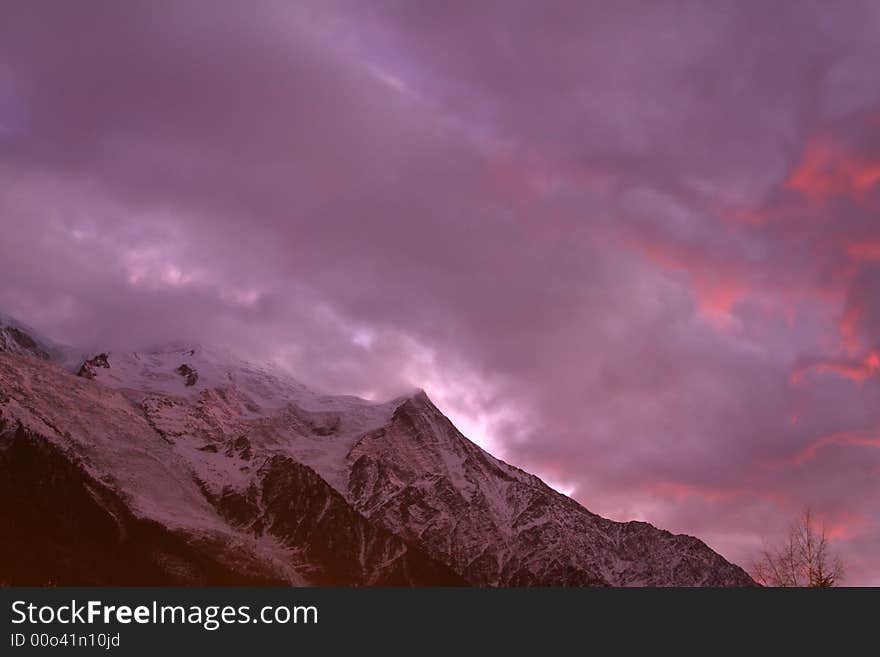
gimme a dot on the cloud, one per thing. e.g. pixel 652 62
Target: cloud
pixel 631 246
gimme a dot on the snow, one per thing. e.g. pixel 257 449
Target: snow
pixel 232 398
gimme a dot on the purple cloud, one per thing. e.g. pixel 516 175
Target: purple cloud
pixel 632 248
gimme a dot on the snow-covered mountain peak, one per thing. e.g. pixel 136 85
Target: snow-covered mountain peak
pixel 316 487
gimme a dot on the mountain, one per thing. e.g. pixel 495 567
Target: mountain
pixel 185 465
pixel 19 338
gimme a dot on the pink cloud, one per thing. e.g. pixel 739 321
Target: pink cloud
pixel 628 243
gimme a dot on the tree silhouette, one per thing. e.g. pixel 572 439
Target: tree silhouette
pixel 804 559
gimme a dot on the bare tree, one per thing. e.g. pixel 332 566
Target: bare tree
pixel 804 559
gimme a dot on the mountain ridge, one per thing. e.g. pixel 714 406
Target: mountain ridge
pixel 221 451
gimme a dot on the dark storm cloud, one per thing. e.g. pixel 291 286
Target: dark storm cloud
pixel 632 245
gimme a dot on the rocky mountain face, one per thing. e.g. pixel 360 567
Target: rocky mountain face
pixel 17 338
pixel 187 466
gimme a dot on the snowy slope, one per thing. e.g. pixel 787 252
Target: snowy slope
pixel 19 338
pixel 325 489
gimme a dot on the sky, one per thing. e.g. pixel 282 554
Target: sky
pixel 633 247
